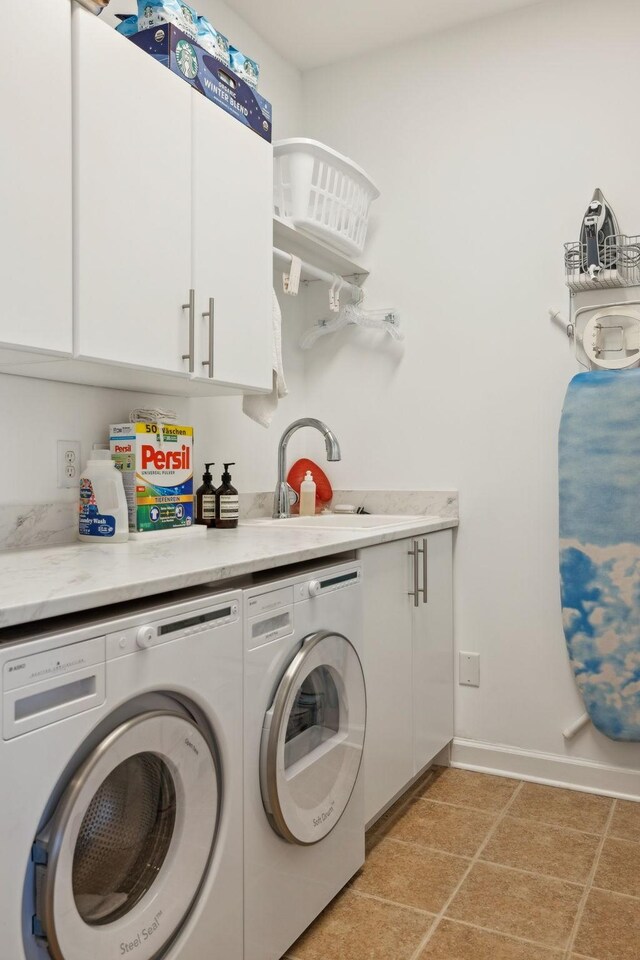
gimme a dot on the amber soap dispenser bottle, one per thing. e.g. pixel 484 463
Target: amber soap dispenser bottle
pixel 227 502
pixel 206 499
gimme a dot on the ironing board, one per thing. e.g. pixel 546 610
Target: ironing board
pixel 599 459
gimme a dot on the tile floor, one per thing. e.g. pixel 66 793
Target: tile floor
pixel 468 866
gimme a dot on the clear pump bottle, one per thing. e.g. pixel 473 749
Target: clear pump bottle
pixel 308 496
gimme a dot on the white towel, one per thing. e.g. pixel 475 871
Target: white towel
pixel 261 407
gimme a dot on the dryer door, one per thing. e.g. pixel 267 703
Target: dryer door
pixel 313 738
pixel 122 859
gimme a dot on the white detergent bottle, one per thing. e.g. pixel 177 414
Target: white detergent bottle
pixel 103 515
pixel 308 496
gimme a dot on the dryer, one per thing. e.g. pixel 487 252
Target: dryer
pixel 305 720
pixel 121 783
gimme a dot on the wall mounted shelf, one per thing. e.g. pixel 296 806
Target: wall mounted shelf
pixel 320 262
pixel 315 251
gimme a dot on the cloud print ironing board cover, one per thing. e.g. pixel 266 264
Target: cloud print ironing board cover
pixel 600 545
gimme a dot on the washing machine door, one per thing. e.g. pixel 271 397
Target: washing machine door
pixel 121 861
pixel 313 738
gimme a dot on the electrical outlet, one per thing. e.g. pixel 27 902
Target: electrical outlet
pixel 469 669
pixel 68 463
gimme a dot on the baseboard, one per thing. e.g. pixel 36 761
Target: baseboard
pixel 552 769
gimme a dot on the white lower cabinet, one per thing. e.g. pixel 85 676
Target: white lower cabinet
pixel 432 668
pixel 408 661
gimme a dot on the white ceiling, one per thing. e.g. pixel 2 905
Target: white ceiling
pixel 312 33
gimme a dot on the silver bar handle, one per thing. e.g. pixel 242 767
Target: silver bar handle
pixel 191 307
pixel 415 593
pixel 425 570
pixel 211 315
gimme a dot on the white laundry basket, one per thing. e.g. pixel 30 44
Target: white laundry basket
pixel 323 193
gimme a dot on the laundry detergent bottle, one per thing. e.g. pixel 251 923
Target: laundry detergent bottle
pixel 103 515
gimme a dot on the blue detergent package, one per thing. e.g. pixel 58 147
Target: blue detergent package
pixel 207 74
pixel 128 27
pixel 157 13
pixel 212 41
pixel 246 68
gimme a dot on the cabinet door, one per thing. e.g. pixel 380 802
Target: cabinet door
pixel 232 247
pixel 132 191
pixel 35 176
pixel 433 651
pixel 387 645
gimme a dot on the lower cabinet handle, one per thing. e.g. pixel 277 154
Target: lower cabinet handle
pixel 415 593
pixel 211 315
pixel 191 307
pixel 425 570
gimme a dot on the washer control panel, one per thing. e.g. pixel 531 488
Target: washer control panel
pixel 145 637
pixel 187 624
pixel 335 580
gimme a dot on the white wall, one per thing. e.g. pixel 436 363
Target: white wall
pixel 41 412
pixel 486 143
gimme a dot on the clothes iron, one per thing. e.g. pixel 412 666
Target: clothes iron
pixel 597 237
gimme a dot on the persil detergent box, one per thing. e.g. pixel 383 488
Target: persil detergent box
pixel 156 462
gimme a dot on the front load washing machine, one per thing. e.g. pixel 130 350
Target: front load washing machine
pixel 305 718
pixel 121 783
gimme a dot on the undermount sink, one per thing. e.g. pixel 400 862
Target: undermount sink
pixel 342 521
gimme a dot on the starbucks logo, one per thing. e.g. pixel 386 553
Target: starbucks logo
pixel 186 59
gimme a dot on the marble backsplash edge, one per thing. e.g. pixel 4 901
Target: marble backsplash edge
pixel 37 525
pixel 439 503
pixel 53 524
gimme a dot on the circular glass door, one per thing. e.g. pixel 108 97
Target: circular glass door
pixel 125 853
pixel 124 838
pixel 313 738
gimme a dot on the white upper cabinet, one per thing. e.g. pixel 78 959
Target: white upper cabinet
pixel 172 211
pixel 232 247
pixel 132 192
pixel 35 176
pixel 172 195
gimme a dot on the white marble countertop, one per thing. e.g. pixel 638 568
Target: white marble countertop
pixel 55 580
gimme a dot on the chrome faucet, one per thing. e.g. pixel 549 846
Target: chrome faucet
pixel 282 499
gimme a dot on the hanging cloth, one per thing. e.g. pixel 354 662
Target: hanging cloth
pixel 261 407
